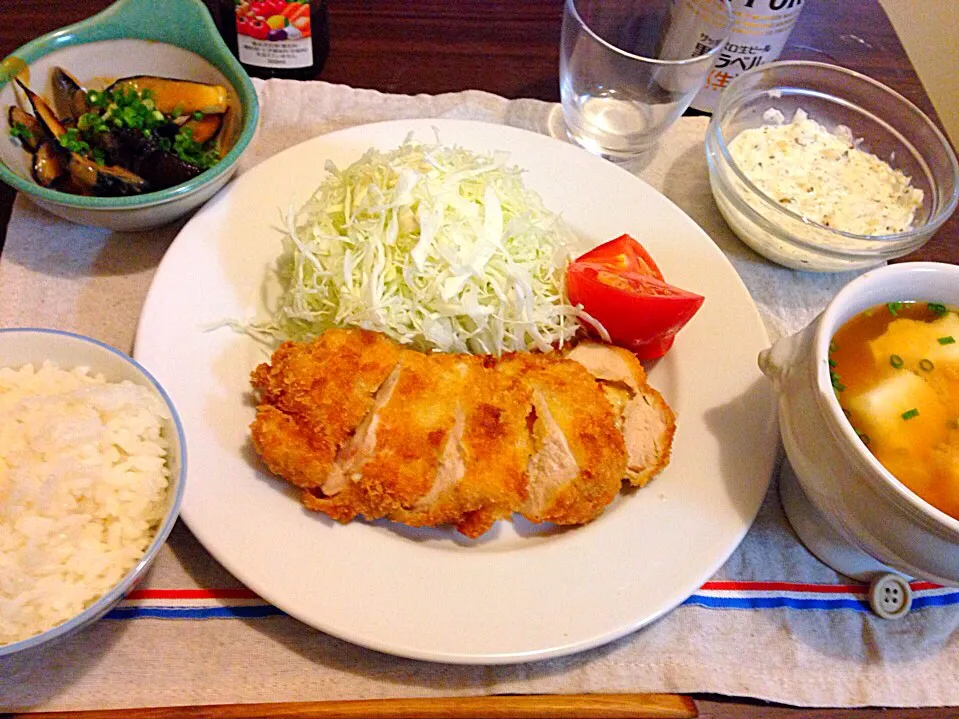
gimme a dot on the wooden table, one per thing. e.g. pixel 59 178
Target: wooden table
pixel 510 47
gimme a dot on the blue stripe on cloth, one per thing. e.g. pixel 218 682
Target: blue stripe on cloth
pixel 859 605
pixel 936 600
pixel 774 603
pixel 251 612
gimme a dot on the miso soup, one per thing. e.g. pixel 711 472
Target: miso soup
pixel 895 369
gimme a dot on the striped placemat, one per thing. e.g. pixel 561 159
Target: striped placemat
pixel 241 603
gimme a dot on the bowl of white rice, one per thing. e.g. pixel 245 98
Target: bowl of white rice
pixel 92 468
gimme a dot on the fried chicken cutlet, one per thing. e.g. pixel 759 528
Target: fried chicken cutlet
pixel 368 428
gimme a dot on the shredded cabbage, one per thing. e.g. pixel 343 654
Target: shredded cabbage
pixel 437 247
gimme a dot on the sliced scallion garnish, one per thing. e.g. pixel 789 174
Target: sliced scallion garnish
pixel 947 340
pixel 895 361
pixel 909 414
pixel 894 307
pixel 837 385
pixel 926 365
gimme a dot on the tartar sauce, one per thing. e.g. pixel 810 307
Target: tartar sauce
pixel 824 176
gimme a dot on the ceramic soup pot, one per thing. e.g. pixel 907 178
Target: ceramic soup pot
pixel 853 513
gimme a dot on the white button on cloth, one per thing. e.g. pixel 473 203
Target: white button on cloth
pixel 890 596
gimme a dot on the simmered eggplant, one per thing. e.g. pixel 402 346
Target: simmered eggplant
pixel 205 128
pixel 105 180
pixel 43 112
pixel 125 147
pixel 26 128
pixel 145 157
pixel 69 98
pixel 141 134
pixel 181 96
pixel 50 163
pixel 164 169
pixel 225 136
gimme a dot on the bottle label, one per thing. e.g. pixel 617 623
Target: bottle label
pixel 274 33
pixel 760 31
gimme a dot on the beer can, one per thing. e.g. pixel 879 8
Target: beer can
pixel 760 31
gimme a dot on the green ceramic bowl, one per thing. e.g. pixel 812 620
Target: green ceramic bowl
pixel 172 38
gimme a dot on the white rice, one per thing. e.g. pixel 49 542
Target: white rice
pixel 83 485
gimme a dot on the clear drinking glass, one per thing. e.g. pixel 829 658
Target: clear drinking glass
pixel 629 68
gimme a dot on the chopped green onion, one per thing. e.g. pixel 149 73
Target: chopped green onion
pixel 72 141
pixel 910 413
pixel 21 132
pixel 864 437
pixel 832 363
pixel 832 347
pixel 895 361
pixel 894 307
pixel 189 150
pixel 926 365
pixel 948 340
pixel 197 115
pixel 936 308
pixel 837 385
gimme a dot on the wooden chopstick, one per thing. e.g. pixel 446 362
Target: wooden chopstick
pixel 535 706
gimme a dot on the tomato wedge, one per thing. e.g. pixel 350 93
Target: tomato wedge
pixel 640 311
pixel 623 253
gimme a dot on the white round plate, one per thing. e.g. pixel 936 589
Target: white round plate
pixel 520 592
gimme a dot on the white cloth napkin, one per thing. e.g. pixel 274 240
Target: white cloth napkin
pixel 752 631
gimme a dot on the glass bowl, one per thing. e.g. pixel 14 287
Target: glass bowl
pixel 890 127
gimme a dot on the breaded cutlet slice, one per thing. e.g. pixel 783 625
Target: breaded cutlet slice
pixel 647 422
pixel 392 461
pixel 579 457
pixel 480 475
pixel 312 398
pixel 495 448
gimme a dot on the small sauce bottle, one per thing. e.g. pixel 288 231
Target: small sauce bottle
pixel 287 39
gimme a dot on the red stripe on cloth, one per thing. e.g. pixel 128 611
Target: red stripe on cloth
pixel 786 587
pixel 798 587
pixel 237 593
